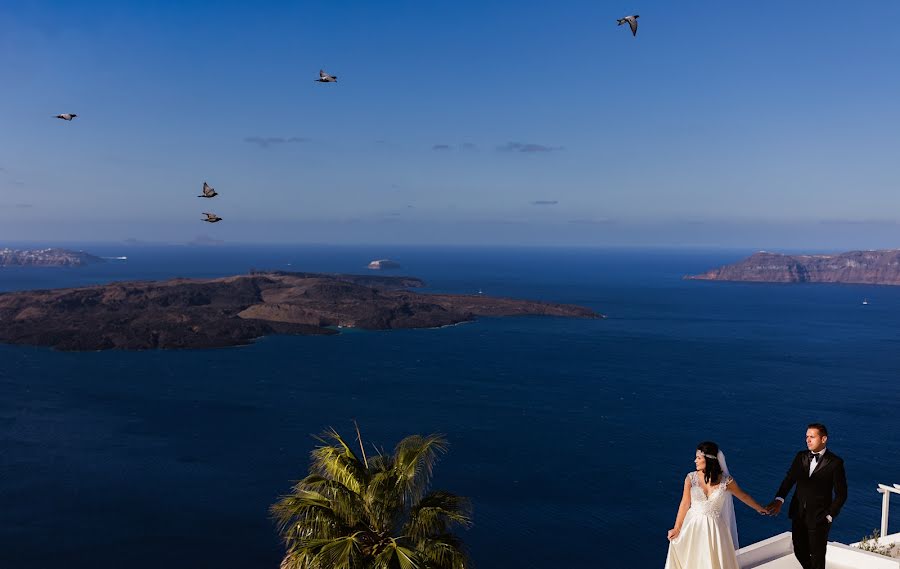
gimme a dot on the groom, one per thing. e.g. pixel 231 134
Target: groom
pixel 821 491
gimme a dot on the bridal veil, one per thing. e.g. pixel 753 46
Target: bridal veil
pixel 728 506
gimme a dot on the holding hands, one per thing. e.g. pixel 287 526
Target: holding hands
pixel 774 507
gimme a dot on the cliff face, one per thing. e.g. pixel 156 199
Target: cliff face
pixel 859 267
pixel 184 313
pixel 46 258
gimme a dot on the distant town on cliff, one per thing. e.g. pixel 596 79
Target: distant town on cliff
pixel 50 257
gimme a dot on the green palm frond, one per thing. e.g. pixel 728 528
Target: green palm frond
pixel 337 553
pixel 414 460
pixel 350 515
pixel 304 513
pixel 338 463
pixel 384 500
pixel 381 463
pixel 436 513
pixel 344 502
pixel 396 556
pixel 443 552
pixel 332 434
pixel 295 559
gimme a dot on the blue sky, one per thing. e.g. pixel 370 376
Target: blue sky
pixel 766 124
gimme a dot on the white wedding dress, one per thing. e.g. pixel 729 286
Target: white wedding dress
pixel 705 540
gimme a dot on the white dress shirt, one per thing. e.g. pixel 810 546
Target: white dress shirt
pixel 815 462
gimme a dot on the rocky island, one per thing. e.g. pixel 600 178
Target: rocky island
pixel 230 311
pixel 51 257
pixel 856 267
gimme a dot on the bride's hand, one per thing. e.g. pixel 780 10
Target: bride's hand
pixel 762 511
pixel 673 533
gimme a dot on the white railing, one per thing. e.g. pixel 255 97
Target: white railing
pixel 886 491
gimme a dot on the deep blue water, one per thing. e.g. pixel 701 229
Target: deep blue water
pixel 571 437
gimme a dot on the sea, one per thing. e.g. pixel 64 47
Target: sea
pixel 572 438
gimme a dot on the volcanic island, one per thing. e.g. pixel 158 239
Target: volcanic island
pixel 881 267
pixel 236 310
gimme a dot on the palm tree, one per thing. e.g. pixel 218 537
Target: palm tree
pixel 374 513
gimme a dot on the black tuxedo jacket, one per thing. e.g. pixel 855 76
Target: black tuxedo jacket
pixel 822 494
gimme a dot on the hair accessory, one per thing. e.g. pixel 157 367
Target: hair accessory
pixel 710 456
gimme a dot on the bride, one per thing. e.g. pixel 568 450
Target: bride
pixel 705 532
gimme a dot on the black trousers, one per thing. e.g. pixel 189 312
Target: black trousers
pixel 810 542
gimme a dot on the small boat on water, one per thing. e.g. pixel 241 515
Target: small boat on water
pixel 381 264
pixel 865 301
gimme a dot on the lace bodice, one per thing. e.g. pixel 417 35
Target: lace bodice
pixel 712 505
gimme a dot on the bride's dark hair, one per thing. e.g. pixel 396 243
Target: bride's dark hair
pixel 713 470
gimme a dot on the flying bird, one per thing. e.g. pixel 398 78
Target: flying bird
pixel 326 78
pixel 211 217
pixel 66 116
pixel 208 191
pixel 632 22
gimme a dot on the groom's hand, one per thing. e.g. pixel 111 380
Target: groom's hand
pixel 774 507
